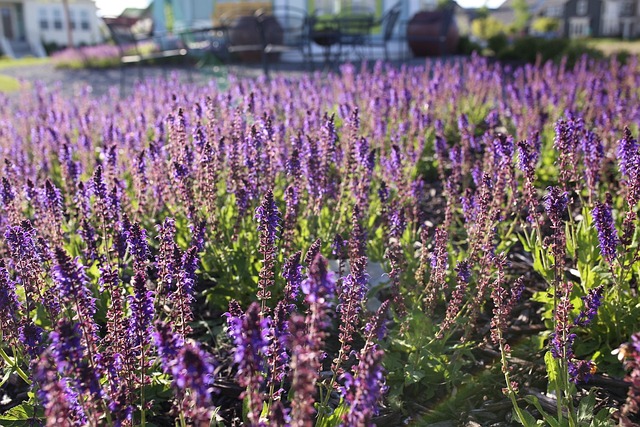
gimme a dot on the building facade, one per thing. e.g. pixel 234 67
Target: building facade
pixel 28 24
pixel 601 18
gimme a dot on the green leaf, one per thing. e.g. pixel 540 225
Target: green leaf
pixel 18 415
pixel 586 407
pixel 552 371
pixel 335 418
pixel 528 421
pixel 550 420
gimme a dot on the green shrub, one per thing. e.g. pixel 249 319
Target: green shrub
pixel 488 27
pixel 545 24
pixel 498 43
pixel 528 49
pixel 466 46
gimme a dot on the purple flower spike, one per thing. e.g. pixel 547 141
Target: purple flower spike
pixel 70 356
pixel 268 218
pixel 555 204
pixel 591 303
pixel 607 234
pixel 629 158
pixel 193 371
pixel 292 273
pixel 581 370
pixel 61 407
pixel 250 334
pixel 141 303
pixel 9 307
pixel 364 390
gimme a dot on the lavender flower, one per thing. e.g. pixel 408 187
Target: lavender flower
pixel 365 389
pixel 30 335
pixel 268 218
pixel 305 363
pixel 580 370
pixel 137 245
pixel 503 304
pixel 591 302
pixel 250 334
pixel 292 273
pixel 314 250
pixel 628 156
pixel 352 293
pixel 70 356
pixel 168 344
pixel 59 400
pixel 607 234
pixel 10 307
pixel 141 303
pixel 193 372
pixel 439 261
pixel 463 270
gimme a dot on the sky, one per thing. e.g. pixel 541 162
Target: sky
pixel 115 7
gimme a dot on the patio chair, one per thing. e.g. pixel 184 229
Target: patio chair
pixel 324 31
pixel 283 31
pixel 355 30
pixel 388 24
pixel 142 48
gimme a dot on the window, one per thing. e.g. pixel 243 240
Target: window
pixel 627 8
pixel 581 7
pixel 57 19
pixel 72 18
pixel 84 20
pixel 43 19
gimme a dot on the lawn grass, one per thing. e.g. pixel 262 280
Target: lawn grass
pixel 615 46
pixel 8 84
pixel 21 62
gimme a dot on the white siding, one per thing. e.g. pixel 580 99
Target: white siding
pixel 83 12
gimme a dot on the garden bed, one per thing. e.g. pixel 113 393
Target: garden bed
pixel 442 246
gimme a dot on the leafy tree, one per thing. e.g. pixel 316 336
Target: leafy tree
pixel 485 28
pixel 545 24
pixel 522 14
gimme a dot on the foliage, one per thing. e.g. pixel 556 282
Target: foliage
pixel 485 28
pixel 545 25
pixel 522 14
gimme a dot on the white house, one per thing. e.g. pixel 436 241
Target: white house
pixel 27 24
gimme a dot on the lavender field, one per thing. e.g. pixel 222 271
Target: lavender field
pixel 449 245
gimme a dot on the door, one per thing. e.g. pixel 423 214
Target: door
pixel 7 22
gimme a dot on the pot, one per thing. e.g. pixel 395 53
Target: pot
pixel 425 29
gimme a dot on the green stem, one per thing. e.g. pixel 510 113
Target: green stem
pixel 510 390
pixel 14 364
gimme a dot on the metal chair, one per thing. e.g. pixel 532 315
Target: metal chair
pixel 354 31
pixel 283 30
pixel 324 30
pixel 142 48
pixel 388 23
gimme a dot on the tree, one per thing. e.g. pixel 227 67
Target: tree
pixel 485 28
pixel 522 14
pixel 545 25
